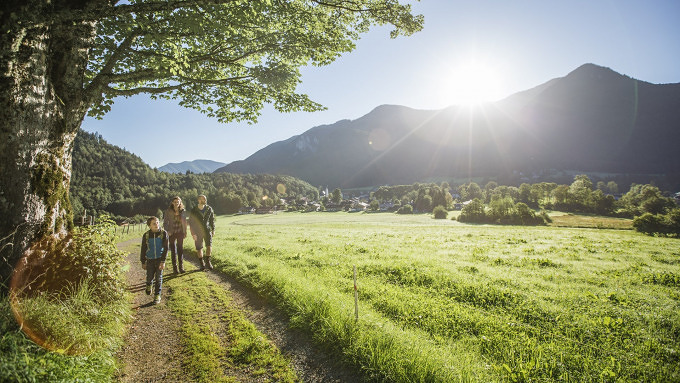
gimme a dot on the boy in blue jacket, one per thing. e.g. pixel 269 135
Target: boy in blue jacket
pixel 153 254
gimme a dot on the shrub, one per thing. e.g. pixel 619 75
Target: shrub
pixel 648 223
pixel 68 294
pixel 527 216
pixel 473 212
pixel 440 212
pixel 545 216
pixel 406 209
pixel 652 224
pixel 673 222
pixel 59 263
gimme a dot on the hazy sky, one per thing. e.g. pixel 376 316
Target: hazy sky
pixel 501 46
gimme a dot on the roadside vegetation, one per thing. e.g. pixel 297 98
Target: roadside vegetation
pixel 64 318
pixel 219 343
pixel 443 301
pixel 73 333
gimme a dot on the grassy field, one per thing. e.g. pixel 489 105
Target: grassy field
pixel 441 301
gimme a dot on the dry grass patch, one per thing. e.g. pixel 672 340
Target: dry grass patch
pixel 591 222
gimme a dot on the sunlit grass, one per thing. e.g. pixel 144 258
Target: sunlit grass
pixel 443 301
pixel 74 324
pixel 76 321
pixel 66 312
pixel 218 343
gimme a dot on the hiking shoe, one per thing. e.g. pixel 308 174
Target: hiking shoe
pixel 157 299
pixel 148 290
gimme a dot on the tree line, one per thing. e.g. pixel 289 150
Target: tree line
pixel 653 211
pixel 127 187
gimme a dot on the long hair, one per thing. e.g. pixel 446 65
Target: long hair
pixel 180 207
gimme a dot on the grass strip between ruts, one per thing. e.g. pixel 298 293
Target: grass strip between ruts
pixel 219 343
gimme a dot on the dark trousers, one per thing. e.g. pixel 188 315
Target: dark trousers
pixel 152 273
pixel 177 247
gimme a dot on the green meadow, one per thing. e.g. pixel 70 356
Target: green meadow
pixel 441 301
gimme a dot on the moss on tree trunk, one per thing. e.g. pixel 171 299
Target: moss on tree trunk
pixel 41 109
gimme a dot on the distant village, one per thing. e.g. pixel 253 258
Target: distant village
pixel 304 204
pixel 352 204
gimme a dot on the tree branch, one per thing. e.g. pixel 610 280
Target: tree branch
pixel 341 5
pixel 99 82
pixel 144 89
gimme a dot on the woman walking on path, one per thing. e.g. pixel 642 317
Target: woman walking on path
pixel 175 223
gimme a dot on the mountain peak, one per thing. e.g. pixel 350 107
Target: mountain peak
pixel 591 67
pixel 590 72
pixel 196 166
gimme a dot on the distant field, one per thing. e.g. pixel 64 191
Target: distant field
pixel 587 221
pixel 442 301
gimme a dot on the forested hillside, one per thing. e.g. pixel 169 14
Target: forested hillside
pixel 109 179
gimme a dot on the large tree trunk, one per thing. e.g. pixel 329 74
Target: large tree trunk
pixel 42 66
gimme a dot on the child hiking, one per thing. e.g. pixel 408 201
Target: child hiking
pixel 153 254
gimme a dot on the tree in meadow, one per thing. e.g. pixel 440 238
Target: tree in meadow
pixel 336 195
pixel 63 59
pixel 475 211
pixel 646 199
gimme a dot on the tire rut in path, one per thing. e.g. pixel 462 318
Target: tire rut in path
pixel 151 351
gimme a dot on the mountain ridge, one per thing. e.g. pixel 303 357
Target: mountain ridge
pixel 592 120
pixel 195 166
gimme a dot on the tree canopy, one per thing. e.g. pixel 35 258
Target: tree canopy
pixel 228 58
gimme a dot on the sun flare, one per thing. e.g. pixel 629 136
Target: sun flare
pixel 472 83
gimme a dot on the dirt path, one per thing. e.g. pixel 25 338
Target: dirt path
pixel 152 350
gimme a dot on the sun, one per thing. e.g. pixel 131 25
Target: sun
pixel 471 83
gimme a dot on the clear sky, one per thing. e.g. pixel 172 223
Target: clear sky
pixel 500 46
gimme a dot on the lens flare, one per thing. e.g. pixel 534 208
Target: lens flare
pixel 33 279
pixel 379 139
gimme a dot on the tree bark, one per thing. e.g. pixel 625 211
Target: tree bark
pixel 42 105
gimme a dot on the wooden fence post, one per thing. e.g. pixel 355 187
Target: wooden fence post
pixel 356 296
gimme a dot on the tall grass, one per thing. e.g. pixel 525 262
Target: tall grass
pixel 68 327
pixel 74 321
pixel 441 301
